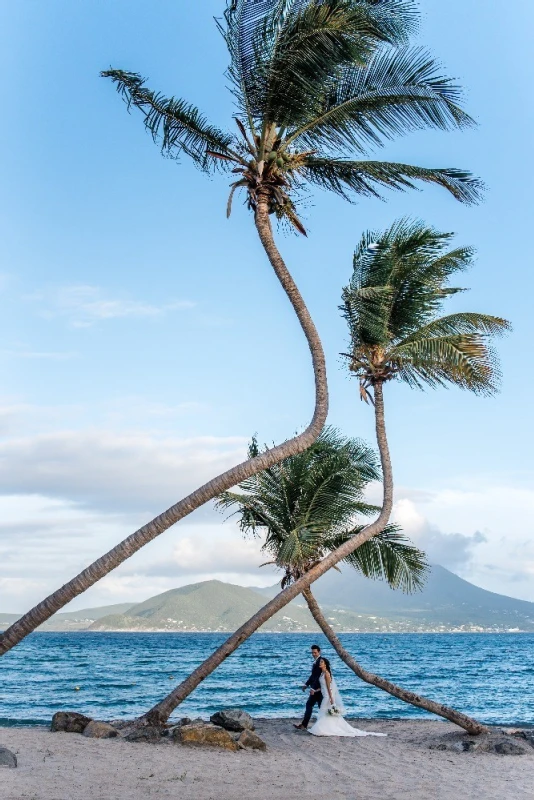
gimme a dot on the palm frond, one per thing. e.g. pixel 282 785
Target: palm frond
pixel 176 125
pixel 315 41
pixel 252 512
pixel 398 90
pixel 298 548
pixel 388 556
pixel 243 19
pixel 464 322
pixel 283 51
pixel 367 178
pixel 407 270
pixel 465 360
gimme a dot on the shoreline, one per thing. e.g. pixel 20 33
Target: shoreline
pixel 486 631
pixel 58 766
pixel 7 725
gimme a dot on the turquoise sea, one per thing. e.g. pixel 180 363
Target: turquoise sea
pixel 490 676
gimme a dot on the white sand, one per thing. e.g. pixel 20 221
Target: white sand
pixel 296 766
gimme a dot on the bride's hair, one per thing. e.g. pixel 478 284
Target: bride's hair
pixel 327 664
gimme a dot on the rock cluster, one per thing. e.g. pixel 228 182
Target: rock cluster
pixel 233 719
pixel 500 742
pixel 199 734
pixel 230 729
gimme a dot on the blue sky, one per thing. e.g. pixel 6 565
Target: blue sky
pixel 145 338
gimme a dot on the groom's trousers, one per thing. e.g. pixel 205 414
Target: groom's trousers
pixel 314 698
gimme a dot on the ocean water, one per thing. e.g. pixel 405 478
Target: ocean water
pixel 490 676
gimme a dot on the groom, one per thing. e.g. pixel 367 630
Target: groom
pixel 314 686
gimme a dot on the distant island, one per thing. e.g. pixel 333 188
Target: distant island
pixel 352 604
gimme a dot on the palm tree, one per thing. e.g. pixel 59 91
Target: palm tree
pixel 306 506
pixel 392 305
pixel 399 283
pixel 316 83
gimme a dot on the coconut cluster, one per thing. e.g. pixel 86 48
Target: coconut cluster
pixel 281 159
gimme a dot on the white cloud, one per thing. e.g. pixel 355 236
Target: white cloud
pixel 484 532
pixel 85 305
pixel 218 549
pixel 44 543
pixel 125 413
pixel 68 496
pixel 119 472
pixel 11 414
pixel 452 550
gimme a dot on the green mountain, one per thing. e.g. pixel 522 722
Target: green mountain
pixel 447 602
pixel 208 606
pixel 71 620
pixel 350 603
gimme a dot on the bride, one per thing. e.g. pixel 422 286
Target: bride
pixel 330 720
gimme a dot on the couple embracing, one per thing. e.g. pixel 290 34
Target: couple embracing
pixel 323 691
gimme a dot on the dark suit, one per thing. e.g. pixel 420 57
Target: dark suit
pixel 317 696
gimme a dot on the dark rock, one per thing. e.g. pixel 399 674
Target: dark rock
pixel 233 719
pixel 7 758
pixel 527 736
pixel 200 735
pixel 69 721
pixel 506 747
pixel 185 721
pixel 100 730
pixel 249 739
pixel 150 734
pixel 500 742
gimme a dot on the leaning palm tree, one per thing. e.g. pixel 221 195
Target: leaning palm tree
pixel 309 504
pixel 399 283
pixel 316 83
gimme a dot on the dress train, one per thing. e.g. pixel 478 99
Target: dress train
pixel 335 724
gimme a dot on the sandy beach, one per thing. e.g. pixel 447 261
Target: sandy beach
pixel 61 766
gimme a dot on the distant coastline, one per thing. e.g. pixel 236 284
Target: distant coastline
pixel 351 604
pixel 452 631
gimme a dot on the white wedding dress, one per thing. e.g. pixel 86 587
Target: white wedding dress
pixel 334 725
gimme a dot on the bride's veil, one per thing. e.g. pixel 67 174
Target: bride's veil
pixel 338 702
pixel 337 698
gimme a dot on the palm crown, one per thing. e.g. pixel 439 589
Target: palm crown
pixel 317 83
pixel 309 504
pixel 392 306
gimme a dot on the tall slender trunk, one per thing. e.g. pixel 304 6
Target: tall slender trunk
pixel 111 560
pixel 161 712
pixel 470 725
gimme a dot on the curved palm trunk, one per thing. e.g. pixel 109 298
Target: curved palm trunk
pixel 111 560
pixel 470 725
pixel 162 711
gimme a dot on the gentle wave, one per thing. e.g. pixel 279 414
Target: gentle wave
pixel 489 676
